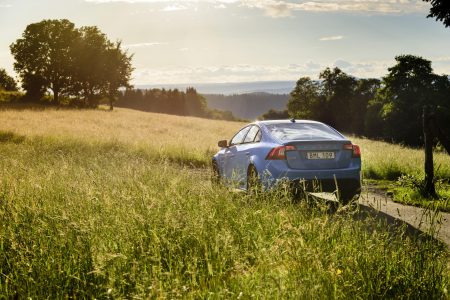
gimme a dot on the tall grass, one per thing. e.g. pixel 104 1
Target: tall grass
pixel 190 140
pixel 98 219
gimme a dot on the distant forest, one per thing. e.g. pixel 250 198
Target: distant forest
pixel 248 106
pixel 175 102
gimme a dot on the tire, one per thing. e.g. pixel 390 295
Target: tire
pixel 348 195
pixel 253 183
pixel 215 174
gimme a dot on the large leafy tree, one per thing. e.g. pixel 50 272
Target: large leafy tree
pixel 117 71
pixel 440 9
pixel 339 92
pixel 101 67
pixel 7 83
pixel 45 52
pixel 337 99
pixel 81 64
pixel 409 85
pixel 306 101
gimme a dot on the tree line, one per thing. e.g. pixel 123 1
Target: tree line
pixel 249 105
pixel 388 109
pixel 80 66
pixel 175 102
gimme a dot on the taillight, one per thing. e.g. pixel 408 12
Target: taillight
pixel 356 151
pixel 279 152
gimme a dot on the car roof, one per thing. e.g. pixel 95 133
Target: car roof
pixel 267 122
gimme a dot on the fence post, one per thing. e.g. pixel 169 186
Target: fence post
pixel 430 190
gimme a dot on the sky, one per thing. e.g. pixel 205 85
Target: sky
pixel 214 41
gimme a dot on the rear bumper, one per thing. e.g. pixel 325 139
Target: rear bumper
pixel 351 186
pixel 348 178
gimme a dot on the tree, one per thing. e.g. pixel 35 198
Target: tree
pixel 195 103
pixel 365 91
pixel 440 9
pixel 408 86
pixel 273 114
pixel 101 67
pixel 7 83
pixel 81 64
pixel 44 52
pixel 338 88
pixel 117 71
pixel 305 100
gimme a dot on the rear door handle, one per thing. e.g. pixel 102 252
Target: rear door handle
pixel 247 153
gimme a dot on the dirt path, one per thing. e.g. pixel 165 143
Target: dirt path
pixel 416 217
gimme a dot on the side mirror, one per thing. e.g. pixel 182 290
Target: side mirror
pixel 222 144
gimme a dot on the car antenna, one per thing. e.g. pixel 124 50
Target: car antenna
pixel 293 120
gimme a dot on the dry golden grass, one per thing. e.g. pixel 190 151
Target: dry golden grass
pixel 177 137
pixel 121 125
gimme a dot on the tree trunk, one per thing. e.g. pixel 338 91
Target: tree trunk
pixel 56 95
pixel 430 190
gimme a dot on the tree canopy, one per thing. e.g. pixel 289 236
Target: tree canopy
pixel 78 64
pixel 409 85
pixel 7 83
pixel 440 9
pixel 390 109
pixel 337 99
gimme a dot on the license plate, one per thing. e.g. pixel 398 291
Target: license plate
pixel 320 155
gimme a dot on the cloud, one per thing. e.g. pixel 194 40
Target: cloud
pixel 142 45
pixel 286 8
pixel 5 5
pixel 278 8
pixel 331 38
pixel 249 73
pixel 174 7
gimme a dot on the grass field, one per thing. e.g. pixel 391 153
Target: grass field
pixel 106 204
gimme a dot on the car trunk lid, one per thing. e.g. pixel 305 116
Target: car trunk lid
pixel 319 155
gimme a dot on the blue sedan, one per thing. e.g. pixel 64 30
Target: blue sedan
pixel 308 154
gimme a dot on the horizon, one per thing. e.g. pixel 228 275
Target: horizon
pixel 198 42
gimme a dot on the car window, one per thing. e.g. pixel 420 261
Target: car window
pixel 303 131
pixel 250 137
pixel 237 139
pixel 258 136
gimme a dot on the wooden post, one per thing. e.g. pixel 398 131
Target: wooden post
pixel 428 140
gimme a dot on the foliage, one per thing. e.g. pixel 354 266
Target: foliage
pixel 79 66
pixel 8 96
pixel 338 99
pixel 410 189
pixel 408 86
pixel 273 114
pixel 175 102
pixel 7 83
pixel 440 9
pixel 390 109
pixel 82 218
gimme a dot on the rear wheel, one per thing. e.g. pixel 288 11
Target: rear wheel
pixel 253 183
pixel 347 195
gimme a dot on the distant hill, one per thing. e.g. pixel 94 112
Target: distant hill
pixel 273 87
pixel 247 106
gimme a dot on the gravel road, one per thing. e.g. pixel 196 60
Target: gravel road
pixel 419 218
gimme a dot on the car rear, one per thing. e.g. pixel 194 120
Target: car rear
pixel 314 155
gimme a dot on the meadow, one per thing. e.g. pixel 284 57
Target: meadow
pixel 191 141
pixel 119 204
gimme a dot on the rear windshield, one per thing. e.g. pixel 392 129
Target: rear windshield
pixel 303 131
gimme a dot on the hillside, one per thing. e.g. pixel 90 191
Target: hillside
pixel 247 106
pixel 101 204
